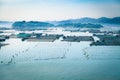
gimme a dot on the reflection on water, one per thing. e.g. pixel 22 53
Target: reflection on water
pixel 58 61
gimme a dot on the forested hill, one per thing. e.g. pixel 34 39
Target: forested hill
pixel 79 23
pixel 37 25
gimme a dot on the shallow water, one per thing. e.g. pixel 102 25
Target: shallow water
pixel 58 61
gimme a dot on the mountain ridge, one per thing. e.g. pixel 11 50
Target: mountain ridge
pixel 105 20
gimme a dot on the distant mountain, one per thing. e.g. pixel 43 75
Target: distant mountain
pixel 84 20
pixel 30 25
pixel 5 24
pixel 115 20
pixel 39 25
pixel 78 23
pixel 102 20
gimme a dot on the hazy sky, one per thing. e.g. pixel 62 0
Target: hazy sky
pixel 43 10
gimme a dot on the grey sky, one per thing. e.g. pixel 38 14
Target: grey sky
pixel 42 10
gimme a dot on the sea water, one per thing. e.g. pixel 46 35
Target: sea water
pixel 22 60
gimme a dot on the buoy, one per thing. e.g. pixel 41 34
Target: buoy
pixel 1 61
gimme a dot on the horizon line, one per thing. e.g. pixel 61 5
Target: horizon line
pixel 59 20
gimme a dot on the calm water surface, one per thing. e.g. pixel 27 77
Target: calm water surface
pixel 58 61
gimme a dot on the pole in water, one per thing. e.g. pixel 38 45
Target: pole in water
pixel 64 55
pixel 10 61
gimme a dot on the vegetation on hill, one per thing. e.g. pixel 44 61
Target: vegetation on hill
pixel 31 24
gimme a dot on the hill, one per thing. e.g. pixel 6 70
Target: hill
pixel 30 25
